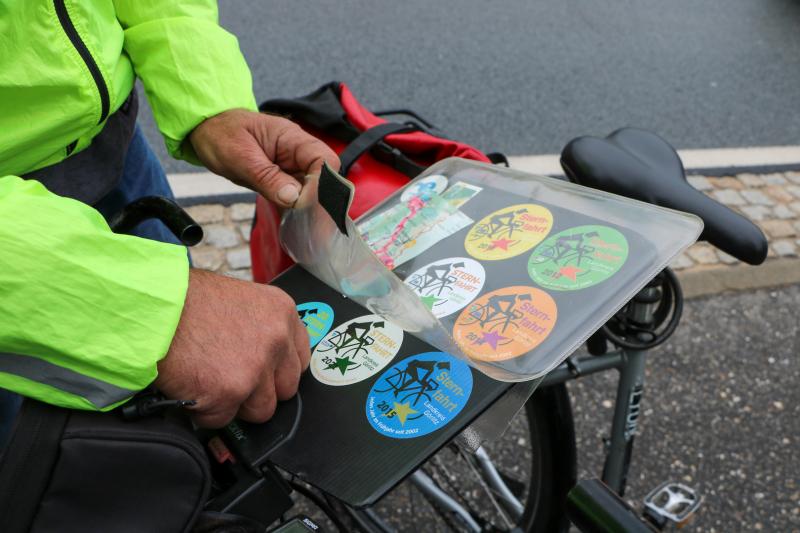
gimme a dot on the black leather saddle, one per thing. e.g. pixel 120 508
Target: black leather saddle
pixel 641 165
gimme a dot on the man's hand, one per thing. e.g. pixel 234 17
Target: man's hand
pixel 262 152
pixel 239 348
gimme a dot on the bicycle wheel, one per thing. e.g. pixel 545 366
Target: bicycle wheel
pixel 535 459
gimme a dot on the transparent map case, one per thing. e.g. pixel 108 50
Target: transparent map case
pixel 508 271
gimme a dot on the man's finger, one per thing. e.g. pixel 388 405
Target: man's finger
pixel 310 153
pixel 213 420
pixel 287 377
pixel 213 417
pixel 274 184
pixel 261 404
pixel 303 345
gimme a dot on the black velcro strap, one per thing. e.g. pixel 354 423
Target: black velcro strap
pixel 367 140
pixel 335 195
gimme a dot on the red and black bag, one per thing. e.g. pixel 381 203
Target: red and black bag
pixel 378 156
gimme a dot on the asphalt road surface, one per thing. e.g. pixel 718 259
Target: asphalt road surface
pixel 525 76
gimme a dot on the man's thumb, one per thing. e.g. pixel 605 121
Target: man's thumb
pixel 277 186
pixel 287 193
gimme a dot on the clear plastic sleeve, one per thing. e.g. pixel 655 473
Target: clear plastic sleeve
pixel 507 270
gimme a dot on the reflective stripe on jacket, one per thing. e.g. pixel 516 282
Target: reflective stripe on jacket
pixel 85 314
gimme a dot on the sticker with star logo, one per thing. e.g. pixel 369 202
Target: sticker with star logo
pixel 578 257
pixel 355 350
pixel 419 395
pixel 447 285
pixel 505 323
pixel 508 232
pixel 318 319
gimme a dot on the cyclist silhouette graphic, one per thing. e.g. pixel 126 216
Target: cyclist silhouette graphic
pixel 498 312
pixel 500 225
pixel 415 381
pixel 354 340
pixel 302 313
pixel 567 249
pixel 436 279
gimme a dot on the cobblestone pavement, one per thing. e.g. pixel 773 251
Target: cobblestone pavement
pixel 224 248
pixel 770 200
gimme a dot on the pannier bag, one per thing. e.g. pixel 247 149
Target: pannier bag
pixel 377 156
pixel 64 470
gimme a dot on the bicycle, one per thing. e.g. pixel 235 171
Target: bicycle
pixel 461 487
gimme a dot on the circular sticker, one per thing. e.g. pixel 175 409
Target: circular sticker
pixel 578 257
pixel 355 350
pixel 505 323
pixel 419 395
pixel 508 232
pixel 425 188
pixel 318 318
pixel 447 285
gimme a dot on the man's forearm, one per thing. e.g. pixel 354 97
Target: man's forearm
pixel 87 313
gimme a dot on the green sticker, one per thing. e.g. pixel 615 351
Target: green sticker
pixel 578 257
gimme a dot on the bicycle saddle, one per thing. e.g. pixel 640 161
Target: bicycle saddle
pixel 641 165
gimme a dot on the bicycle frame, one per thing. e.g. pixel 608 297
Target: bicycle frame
pixel 630 389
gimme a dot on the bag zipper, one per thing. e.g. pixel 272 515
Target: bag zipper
pixel 83 51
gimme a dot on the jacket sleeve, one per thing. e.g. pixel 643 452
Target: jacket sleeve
pixel 191 68
pixel 86 313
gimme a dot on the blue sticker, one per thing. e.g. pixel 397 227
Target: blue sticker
pixel 318 318
pixel 419 395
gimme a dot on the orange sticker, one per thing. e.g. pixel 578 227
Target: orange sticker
pixel 505 323
pixel 508 232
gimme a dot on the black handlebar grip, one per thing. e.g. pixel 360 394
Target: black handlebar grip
pixel 171 214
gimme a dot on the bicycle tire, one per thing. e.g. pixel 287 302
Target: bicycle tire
pixel 550 410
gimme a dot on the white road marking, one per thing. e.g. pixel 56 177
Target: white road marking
pixel 199 184
pixel 748 157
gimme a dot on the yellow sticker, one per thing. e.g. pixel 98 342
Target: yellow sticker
pixel 508 232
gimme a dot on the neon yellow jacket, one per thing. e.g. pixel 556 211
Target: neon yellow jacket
pixel 85 314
